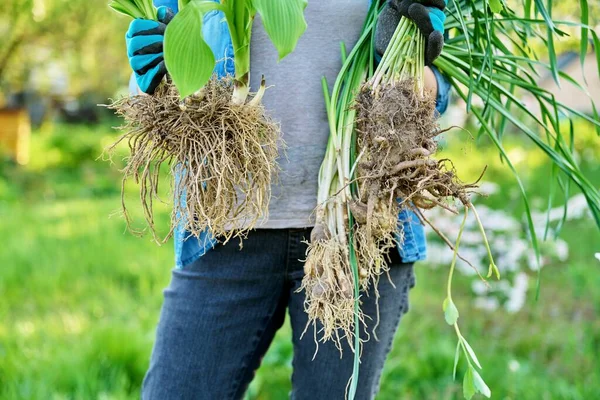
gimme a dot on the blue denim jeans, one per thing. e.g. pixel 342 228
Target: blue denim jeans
pixel 221 313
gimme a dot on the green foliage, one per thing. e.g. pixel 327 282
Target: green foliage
pixel 496 6
pixel 481 65
pixel 469 389
pixel 450 311
pixel 73 284
pixel 480 385
pixel 135 8
pixel 283 21
pixel 61 47
pixel 488 56
pixel 189 61
pixel 64 164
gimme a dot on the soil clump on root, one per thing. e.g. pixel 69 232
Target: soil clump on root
pixel 396 131
pixel 221 157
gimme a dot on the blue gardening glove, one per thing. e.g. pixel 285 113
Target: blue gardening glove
pixel 145 49
pixel 429 17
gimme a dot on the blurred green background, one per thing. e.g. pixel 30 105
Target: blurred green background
pixel 80 296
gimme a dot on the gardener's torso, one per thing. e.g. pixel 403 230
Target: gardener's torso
pixel 295 99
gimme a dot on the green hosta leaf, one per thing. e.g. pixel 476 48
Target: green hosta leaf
pixel 496 6
pixel 480 385
pixel 134 8
pixel 126 7
pixel 284 22
pixel 147 7
pixel 469 389
pixel 450 311
pixel 188 58
pixel 585 20
pixel 182 3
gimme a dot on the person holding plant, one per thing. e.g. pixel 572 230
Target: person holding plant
pixel 225 304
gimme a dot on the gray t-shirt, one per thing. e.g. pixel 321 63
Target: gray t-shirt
pixel 295 99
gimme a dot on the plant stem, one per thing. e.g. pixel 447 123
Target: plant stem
pixel 336 170
pixel 493 268
pixel 355 275
pixel 326 173
pixel 239 20
pixel 455 255
pixel 403 59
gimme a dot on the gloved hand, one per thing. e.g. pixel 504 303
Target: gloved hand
pixel 144 41
pixel 429 17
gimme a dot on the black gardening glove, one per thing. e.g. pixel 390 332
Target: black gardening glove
pixel 429 17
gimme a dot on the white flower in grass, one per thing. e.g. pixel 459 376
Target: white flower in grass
pixel 500 245
pixel 479 287
pixel 518 293
pixel 508 262
pixel 474 255
pixel 487 303
pixel 577 209
pixel 471 238
pixel 597 255
pixel 489 188
pixel 519 245
pixel 513 365
pixel 499 221
pixel 503 286
pixel 439 254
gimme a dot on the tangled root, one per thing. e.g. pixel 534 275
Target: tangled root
pixel 396 128
pixel 221 156
pixel 329 282
pixel 329 289
pixel 396 131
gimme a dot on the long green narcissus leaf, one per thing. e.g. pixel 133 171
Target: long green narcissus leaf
pixel 284 22
pixel 496 6
pixel 188 58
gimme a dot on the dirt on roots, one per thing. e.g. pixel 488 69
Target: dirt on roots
pixel 396 131
pixel 221 157
pixel 329 291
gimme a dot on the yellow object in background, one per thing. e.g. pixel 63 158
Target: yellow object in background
pixel 15 132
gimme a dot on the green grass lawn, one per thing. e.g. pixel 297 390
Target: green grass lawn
pixel 80 296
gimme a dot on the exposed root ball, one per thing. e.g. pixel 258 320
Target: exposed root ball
pixel 329 290
pixel 222 157
pixel 396 130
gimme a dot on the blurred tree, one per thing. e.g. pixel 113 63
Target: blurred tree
pixel 65 47
pixel 72 47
